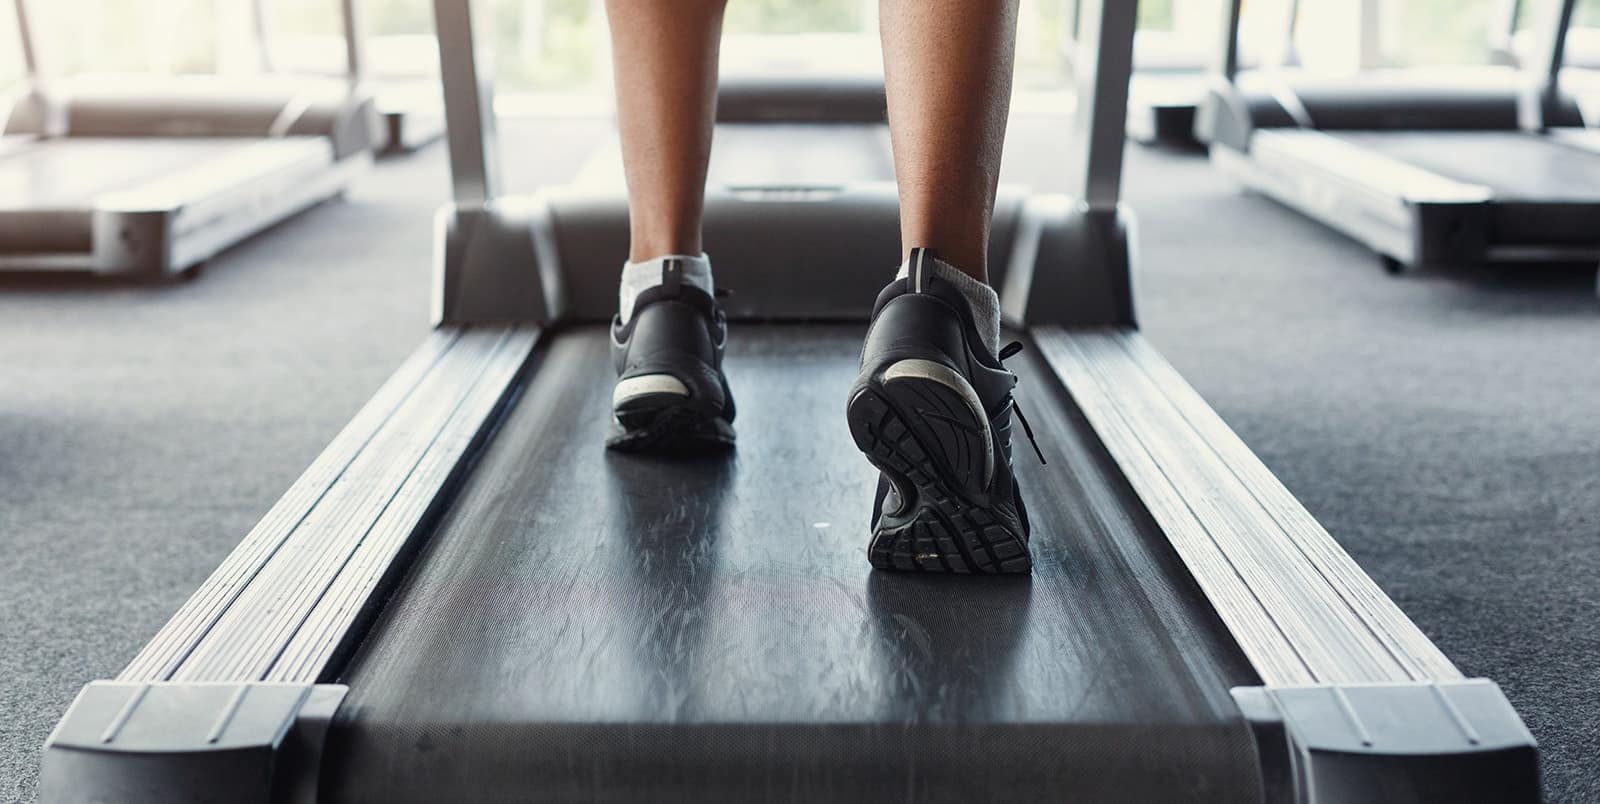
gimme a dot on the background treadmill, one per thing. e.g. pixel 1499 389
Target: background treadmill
pixel 146 179
pixel 1461 166
pixel 1511 42
pixel 467 598
pixel 1171 69
pixel 399 71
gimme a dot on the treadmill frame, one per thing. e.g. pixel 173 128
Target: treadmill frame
pixel 1163 104
pixel 171 225
pixel 1265 138
pixel 235 694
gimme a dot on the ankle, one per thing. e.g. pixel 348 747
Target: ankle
pixel 647 242
pixel 643 274
pixel 982 301
pixel 968 255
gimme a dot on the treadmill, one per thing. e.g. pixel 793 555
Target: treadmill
pixel 146 180
pixel 1477 165
pixel 410 108
pixel 1170 78
pixel 1512 44
pixel 467 598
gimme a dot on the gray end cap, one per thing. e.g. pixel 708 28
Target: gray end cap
pixel 135 742
pixel 1455 741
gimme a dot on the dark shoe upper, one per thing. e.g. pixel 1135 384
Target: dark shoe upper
pixel 676 331
pixel 923 317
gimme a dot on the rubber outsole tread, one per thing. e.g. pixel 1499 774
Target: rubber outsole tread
pixel 679 430
pixel 941 527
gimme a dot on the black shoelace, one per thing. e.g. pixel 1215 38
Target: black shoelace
pixel 1010 350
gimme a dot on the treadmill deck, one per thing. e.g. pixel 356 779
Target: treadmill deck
pixel 1517 166
pixel 591 625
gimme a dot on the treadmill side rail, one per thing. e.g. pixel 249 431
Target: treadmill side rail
pixel 1358 705
pixel 167 742
pixel 1296 603
pixel 294 596
pixel 1453 742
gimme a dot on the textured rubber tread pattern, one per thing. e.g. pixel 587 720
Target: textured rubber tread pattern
pixel 679 429
pixel 945 520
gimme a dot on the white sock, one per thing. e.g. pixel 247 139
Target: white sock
pixel 985 303
pixel 637 277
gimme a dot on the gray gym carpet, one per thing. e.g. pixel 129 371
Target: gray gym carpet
pixel 1443 426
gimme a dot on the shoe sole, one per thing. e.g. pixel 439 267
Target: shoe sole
pixel 669 430
pixel 918 427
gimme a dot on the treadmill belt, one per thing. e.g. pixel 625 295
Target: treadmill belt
pixel 1518 166
pixel 593 626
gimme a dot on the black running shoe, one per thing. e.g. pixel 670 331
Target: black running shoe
pixel 931 409
pixel 671 395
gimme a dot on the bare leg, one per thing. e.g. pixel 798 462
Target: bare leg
pixel 665 57
pixel 947 65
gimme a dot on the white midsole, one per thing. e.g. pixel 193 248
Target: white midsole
pixel 645 385
pixel 919 369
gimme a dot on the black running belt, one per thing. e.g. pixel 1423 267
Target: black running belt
pixel 1517 166
pixel 594 626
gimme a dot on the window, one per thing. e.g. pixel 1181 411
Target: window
pixel 11 72
pixel 538 45
pixel 1428 32
pixel 167 37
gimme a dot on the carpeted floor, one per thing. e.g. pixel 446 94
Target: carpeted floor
pixel 1442 426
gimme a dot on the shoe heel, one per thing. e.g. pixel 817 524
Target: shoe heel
pixel 945 422
pixel 922 434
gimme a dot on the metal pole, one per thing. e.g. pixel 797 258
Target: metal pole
pixel 355 41
pixel 1541 101
pixel 468 106
pixel 1105 43
pixel 1552 50
pixel 1289 56
pixel 30 56
pixel 1226 63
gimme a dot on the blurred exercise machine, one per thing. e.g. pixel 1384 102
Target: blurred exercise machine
pixel 1476 165
pixel 1511 44
pixel 149 179
pixel 1170 73
pixel 411 108
pixel 467 598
